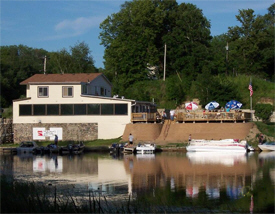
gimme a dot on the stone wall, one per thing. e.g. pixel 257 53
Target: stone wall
pixel 71 131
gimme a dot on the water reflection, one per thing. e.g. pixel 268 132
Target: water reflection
pixel 191 174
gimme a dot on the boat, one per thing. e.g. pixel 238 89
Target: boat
pixel 224 145
pixel 268 146
pixel 51 148
pixel 72 149
pixel 26 147
pixel 145 148
pixel 117 148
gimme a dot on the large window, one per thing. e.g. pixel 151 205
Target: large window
pixel 80 109
pixel 73 109
pixel 121 109
pixel 39 110
pixel 25 110
pixel 107 109
pixel 67 91
pixel 66 109
pixel 43 91
pixel 52 109
pixel 93 109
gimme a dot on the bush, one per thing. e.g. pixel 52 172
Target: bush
pixel 263 112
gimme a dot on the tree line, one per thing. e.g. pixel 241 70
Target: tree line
pixel 197 64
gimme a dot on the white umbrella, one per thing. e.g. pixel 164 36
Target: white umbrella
pixel 191 106
pixel 212 105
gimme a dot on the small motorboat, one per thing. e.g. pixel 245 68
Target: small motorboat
pixel 268 146
pixel 117 148
pixel 145 148
pixel 72 149
pixel 26 147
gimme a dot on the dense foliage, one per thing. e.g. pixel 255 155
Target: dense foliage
pixel 197 65
pixel 263 111
pixel 20 62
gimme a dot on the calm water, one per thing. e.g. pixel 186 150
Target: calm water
pixel 173 179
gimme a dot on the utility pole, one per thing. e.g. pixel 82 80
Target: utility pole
pixel 227 49
pixel 164 69
pixel 45 63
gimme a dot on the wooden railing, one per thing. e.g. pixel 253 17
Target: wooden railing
pixel 212 116
pixel 144 117
pixel 194 116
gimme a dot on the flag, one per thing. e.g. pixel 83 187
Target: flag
pixel 250 89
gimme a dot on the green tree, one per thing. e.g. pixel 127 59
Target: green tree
pixel 263 111
pixel 188 40
pixel 135 38
pixel 17 64
pixel 252 43
pixel 77 60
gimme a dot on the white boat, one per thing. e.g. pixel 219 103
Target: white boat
pixel 145 148
pixel 225 145
pixel 268 146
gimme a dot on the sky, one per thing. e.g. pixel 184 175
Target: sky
pixel 56 24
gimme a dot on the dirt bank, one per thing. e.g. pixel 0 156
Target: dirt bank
pixel 178 132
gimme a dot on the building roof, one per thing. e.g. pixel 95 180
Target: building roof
pixel 61 78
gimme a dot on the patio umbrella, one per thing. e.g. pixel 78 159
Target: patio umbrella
pixel 212 105
pixel 233 104
pixel 191 106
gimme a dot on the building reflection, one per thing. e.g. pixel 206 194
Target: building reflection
pixel 191 173
pixel 209 172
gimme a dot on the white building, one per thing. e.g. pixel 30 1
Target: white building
pixel 73 106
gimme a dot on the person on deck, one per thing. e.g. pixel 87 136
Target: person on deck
pixel 189 138
pixel 172 113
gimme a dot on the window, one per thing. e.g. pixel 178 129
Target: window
pixel 79 109
pixel 94 109
pixel 84 89
pixel 43 91
pixel 107 109
pixel 66 109
pixel 67 91
pixel 102 91
pixel 39 110
pixel 52 109
pixel 121 109
pixel 25 110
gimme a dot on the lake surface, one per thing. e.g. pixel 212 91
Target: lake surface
pixel 196 179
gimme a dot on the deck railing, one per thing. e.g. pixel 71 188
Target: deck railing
pixel 212 116
pixel 144 117
pixel 194 116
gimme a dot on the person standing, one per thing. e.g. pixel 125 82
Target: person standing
pixel 189 138
pixel 131 139
pixel 56 140
pixel 172 113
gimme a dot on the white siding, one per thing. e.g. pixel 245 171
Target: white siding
pixel 108 126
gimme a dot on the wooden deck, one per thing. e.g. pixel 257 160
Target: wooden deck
pixel 182 117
